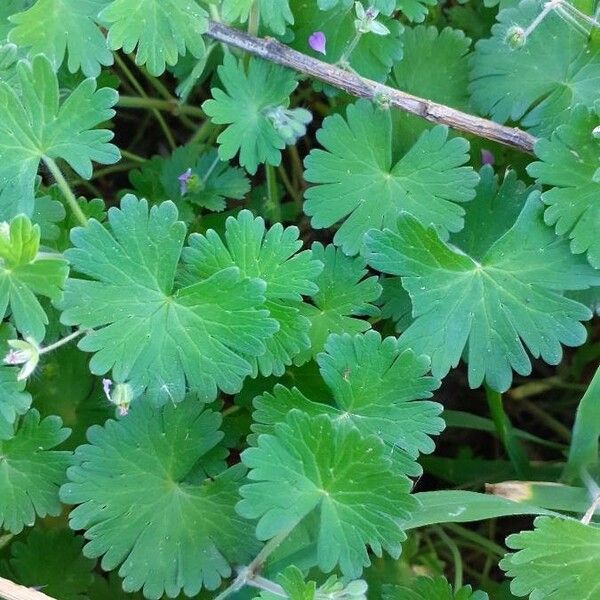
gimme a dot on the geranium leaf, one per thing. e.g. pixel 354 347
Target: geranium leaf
pixel 31 471
pixel 377 388
pixel 373 55
pixel 162 340
pixel 344 295
pixel 569 162
pixel 167 534
pixel 35 125
pixel 271 255
pixel 539 82
pixel 14 400
pixel 55 27
pixel 426 588
pixel 559 559
pixel 491 305
pixel 38 562
pixel 160 31
pixel 244 107
pixel 275 15
pixel 25 275
pixel 360 182
pixel 313 464
pixel 435 65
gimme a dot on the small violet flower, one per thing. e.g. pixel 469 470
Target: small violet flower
pixel 106 385
pixel 318 42
pixel 184 179
pixel 23 352
pixel 487 158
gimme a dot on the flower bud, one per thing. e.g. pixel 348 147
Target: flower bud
pixel 515 37
pixel 23 352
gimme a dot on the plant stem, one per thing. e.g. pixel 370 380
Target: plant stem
pixel 467 534
pixel 273 51
pixel 169 106
pixel 273 194
pixel 132 156
pixel 63 341
pixel 65 189
pixel 251 572
pixel 506 433
pixel 456 558
pixel 140 90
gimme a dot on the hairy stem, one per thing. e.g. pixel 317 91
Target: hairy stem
pixel 273 51
pixel 170 106
pixel 63 341
pixel 66 190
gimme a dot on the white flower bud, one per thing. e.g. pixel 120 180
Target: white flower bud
pixel 23 352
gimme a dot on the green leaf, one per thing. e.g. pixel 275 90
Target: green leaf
pixel 496 207
pixel 491 305
pixel 569 162
pixel 584 450
pixel 415 10
pixel 36 125
pixel 14 400
pixel 395 302
pixel 159 30
pixel 361 183
pixel 460 506
pixel 559 559
pixel 275 15
pixel 9 8
pixel 137 468
pixel 158 338
pixel 373 55
pixel 64 374
pixel 212 180
pixel 244 107
pixel 374 386
pixel 273 256
pixel 538 83
pixel 48 213
pixel 39 562
pixel 311 464
pixel 426 588
pixel 344 295
pixel 435 66
pixel 24 275
pixel 53 27
pixel 31 472
pixel 293 584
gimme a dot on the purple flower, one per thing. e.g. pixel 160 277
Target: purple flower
pixel 184 179
pixel 317 41
pixel 106 385
pixel 487 158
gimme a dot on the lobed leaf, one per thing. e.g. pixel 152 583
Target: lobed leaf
pixel 57 27
pixel 559 559
pixel 313 464
pixel 160 31
pixel 31 471
pixel 270 255
pixel 140 511
pixel 24 275
pixel 35 125
pixel 360 183
pixel 490 304
pixel 161 339
pixel 243 106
